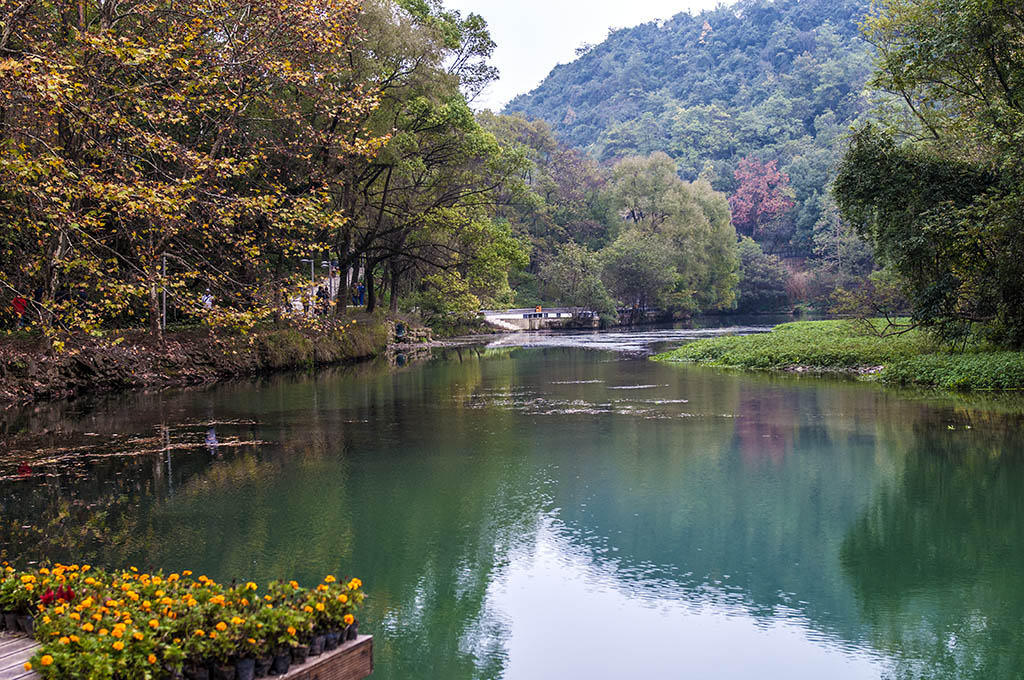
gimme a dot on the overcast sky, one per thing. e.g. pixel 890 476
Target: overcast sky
pixel 535 35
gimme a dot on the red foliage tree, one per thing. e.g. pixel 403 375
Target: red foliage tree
pixel 762 202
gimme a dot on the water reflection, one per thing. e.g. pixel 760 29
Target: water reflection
pixel 517 513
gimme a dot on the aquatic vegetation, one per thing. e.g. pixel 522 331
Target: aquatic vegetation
pixel 913 358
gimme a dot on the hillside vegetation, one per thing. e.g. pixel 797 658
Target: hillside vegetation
pixel 767 81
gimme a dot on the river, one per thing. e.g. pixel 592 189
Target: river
pixel 565 509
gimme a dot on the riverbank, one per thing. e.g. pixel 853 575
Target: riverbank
pixel 912 358
pixel 31 371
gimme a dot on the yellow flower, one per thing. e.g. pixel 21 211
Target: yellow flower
pixel 137 635
pixel 321 588
pixel 151 658
pixel 354 584
pixel 319 606
pixel 199 632
pixel 64 640
pixel 153 623
pixel 187 572
pixel 103 631
pixel 46 619
pixel 343 598
pixel 117 632
pixel 90 581
pixel 118 645
pixel 44 570
pixel 74 638
pixel 46 660
pixel 74 616
pixel 237 620
pixel 348 619
pixel 221 626
pixel 251 586
pixel 87 627
pixel 329 579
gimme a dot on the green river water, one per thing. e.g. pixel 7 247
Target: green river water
pixel 564 510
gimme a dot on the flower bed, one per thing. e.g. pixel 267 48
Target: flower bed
pixel 118 625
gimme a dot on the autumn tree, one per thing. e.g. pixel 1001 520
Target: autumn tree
pixel 138 139
pixel 761 203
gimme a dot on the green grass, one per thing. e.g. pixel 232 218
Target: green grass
pixel 847 346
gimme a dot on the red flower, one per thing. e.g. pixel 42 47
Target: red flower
pixel 48 597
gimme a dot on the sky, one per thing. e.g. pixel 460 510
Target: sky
pixel 535 35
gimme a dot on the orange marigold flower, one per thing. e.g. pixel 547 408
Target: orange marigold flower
pixel 307 609
pixel 64 640
pixel 118 645
pixel 153 623
pixel 151 658
pixel 291 630
pixel 74 638
pixel 348 619
pixel 46 660
pixel 27 665
pixel 319 606
pixel 329 579
pixel 221 626
pixel 87 627
pixel 343 598
pixel 199 632
pixel 137 635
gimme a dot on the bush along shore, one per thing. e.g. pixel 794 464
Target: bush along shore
pixel 31 369
pixel 911 358
pixel 127 624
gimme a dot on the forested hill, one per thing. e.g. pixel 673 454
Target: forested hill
pixel 779 80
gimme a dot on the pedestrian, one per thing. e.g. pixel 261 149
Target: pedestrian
pixel 362 294
pixel 20 304
pixel 207 299
pixel 321 299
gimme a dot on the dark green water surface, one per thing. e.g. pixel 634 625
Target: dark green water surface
pixel 569 510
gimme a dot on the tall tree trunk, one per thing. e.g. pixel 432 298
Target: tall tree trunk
pixel 155 327
pixel 371 289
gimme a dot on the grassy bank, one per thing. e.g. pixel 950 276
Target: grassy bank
pixel 31 371
pixel 850 347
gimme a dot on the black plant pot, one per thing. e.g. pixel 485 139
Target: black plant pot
pixel 26 624
pixel 352 632
pixel 197 673
pixel 224 671
pixel 282 662
pixel 11 621
pixel 245 669
pixel 263 666
pixel 332 640
pixel 299 654
pixel 316 647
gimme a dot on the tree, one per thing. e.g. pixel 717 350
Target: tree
pixel 143 134
pixel 688 223
pixel 573 277
pixel 638 270
pixel 937 190
pixel 762 204
pixel 762 279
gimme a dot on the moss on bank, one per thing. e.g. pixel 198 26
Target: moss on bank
pixel 29 371
pixel 847 346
